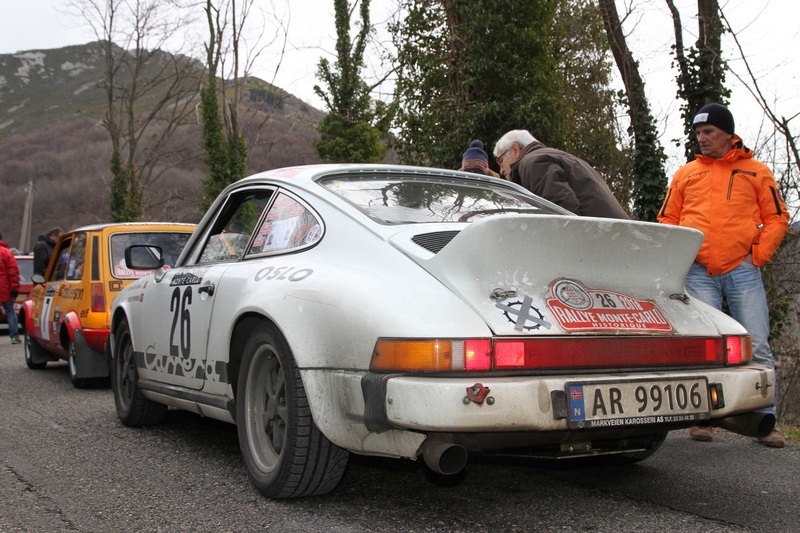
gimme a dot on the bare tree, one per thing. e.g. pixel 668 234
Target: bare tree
pixel 149 92
pixel 791 174
pixel 231 50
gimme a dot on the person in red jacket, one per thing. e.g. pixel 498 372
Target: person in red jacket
pixel 9 288
pixel 734 200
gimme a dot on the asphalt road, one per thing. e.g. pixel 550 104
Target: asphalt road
pixel 67 465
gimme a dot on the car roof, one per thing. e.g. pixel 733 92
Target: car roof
pixel 132 226
pixel 303 176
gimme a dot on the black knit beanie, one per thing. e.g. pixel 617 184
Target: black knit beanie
pixel 716 115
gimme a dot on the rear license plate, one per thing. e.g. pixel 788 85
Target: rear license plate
pixel 632 403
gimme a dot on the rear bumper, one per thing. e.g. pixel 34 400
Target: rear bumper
pixel 530 403
pixel 391 415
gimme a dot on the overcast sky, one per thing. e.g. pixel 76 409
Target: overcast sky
pixel 768 31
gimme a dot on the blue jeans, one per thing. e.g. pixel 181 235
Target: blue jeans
pixel 743 289
pixel 11 316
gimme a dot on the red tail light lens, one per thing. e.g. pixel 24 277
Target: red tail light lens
pixel 738 350
pixel 478 354
pixel 606 352
pixel 98 298
pixel 510 354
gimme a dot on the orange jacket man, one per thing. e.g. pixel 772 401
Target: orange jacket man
pixel 734 200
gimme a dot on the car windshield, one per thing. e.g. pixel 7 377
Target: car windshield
pixel 171 244
pixel 403 200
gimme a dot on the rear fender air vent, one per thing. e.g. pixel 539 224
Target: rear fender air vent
pixel 434 242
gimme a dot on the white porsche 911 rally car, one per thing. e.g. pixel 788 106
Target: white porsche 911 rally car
pixel 416 312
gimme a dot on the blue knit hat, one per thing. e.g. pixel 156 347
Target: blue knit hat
pixel 475 159
pixel 716 115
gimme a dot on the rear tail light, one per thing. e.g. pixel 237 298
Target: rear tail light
pixel 477 354
pixel 738 350
pixel 412 355
pixel 98 298
pixel 556 353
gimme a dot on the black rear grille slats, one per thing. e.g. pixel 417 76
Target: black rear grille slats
pixel 434 242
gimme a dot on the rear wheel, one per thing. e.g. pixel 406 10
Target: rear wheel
pixel 133 409
pixel 285 454
pixel 34 351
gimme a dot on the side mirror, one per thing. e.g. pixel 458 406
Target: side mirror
pixel 37 279
pixel 144 257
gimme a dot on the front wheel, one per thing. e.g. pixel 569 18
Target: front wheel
pixel 285 454
pixel 133 409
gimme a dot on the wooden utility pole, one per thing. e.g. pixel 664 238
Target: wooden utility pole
pixel 25 237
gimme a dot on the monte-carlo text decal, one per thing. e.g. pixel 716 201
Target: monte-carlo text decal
pixel 577 308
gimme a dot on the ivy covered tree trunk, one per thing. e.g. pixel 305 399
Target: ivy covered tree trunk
pixel 649 178
pixel 701 69
pixel 119 188
pixel 216 154
pixel 224 145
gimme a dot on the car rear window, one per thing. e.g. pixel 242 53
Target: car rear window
pixel 25 269
pixel 404 200
pixel 171 244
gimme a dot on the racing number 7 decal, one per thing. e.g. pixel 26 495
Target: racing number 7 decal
pixel 181 317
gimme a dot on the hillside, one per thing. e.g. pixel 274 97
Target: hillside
pixel 52 135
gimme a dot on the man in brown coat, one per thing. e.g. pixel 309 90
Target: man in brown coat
pixel 555 175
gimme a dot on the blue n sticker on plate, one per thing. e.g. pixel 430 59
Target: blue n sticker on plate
pixel 577 412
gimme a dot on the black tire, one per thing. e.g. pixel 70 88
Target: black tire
pixel 32 349
pixel 285 454
pixel 133 409
pixel 78 383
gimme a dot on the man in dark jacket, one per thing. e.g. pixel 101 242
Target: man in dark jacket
pixel 44 250
pixel 555 175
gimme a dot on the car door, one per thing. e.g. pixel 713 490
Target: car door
pixel 179 307
pixel 64 288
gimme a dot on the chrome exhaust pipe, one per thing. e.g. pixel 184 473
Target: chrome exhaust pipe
pixel 750 425
pixel 444 457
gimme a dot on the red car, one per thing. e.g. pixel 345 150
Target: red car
pixel 25 263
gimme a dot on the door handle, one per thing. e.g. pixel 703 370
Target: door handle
pixel 206 288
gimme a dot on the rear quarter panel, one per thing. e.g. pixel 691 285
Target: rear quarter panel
pixel 333 301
